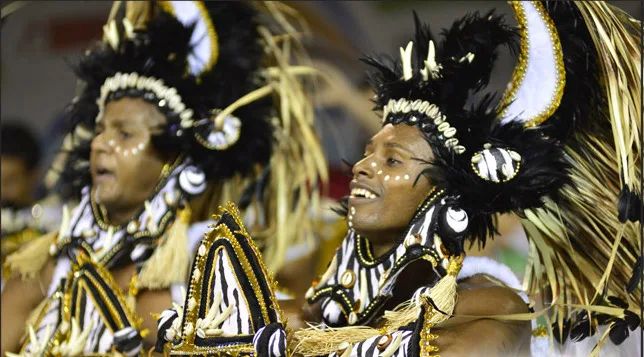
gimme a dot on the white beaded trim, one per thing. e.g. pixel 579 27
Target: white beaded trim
pixel 216 140
pixel 430 110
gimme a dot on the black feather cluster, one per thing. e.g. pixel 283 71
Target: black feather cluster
pixel 161 51
pixel 542 168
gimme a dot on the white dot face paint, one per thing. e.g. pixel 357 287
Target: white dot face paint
pixel 134 151
pixel 141 146
pixel 406 177
pixel 373 164
pixel 397 178
pixel 117 149
pixel 111 143
pixel 379 172
pixel 387 178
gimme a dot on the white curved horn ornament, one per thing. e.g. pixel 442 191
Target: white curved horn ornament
pixel 539 78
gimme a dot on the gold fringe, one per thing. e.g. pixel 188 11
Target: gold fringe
pixel 171 252
pixel 298 164
pixel 579 248
pixel 32 257
pixel 315 341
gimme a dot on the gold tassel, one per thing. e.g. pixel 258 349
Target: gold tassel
pixel 29 260
pixel 172 252
pixel 442 294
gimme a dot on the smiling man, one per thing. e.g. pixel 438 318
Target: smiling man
pixel 179 113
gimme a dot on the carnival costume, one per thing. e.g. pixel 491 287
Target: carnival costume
pixel 239 116
pixel 558 149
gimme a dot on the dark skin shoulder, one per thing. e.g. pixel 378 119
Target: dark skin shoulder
pixel 481 336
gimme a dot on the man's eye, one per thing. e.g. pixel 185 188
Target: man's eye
pixel 125 135
pixel 391 161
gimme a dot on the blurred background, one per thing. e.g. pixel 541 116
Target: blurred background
pixel 40 39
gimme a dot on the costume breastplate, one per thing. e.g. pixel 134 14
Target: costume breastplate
pixel 87 313
pixel 355 286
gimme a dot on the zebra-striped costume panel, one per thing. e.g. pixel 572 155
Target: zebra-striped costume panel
pixel 369 347
pixel 239 321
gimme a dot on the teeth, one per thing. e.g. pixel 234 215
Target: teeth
pixel 361 192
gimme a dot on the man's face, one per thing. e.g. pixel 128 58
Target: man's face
pixel 18 182
pixel 125 167
pixel 384 191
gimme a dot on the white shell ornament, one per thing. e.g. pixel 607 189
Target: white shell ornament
pixel 192 180
pixel 456 219
pixel 496 164
pixel 222 139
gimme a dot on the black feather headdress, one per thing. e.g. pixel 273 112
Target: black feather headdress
pixel 491 165
pixel 164 48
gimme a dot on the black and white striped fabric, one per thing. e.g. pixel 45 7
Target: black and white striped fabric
pixel 495 164
pixel 369 347
pixel 128 341
pixel 355 285
pixel 270 341
pixel 230 305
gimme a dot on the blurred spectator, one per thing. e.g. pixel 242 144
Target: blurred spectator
pixel 20 158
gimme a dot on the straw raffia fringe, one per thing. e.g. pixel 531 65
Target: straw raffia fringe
pixel 579 248
pixel 298 162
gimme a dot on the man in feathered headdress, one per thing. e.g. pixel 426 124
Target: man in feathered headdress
pixel 559 149
pixel 184 106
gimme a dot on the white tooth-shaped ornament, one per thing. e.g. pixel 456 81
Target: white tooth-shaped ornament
pixel 353 318
pixel 138 252
pixel 514 155
pixel 53 249
pixel 140 83
pixel 451 142
pixel 309 293
pixel 185 115
pixel 423 106
pixel 398 105
pixel 125 79
pixel 443 126
pixel 405 56
pixel 192 180
pixel 407 107
pixel 449 132
pixel 432 110
pixel 393 346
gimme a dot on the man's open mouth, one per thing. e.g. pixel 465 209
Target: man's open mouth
pixel 363 193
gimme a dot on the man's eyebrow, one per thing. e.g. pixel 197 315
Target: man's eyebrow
pixel 397 146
